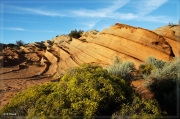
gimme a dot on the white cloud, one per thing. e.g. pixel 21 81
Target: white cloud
pixel 88 18
pixel 145 7
pixel 12 20
pixel 99 13
pixel 160 19
pixel 88 24
pixel 131 16
pixel 13 28
pixel 142 7
pixel 21 10
pixel 21 29
pixel 122 16
pixel 42 31
pixel 88 13
pixel 41 12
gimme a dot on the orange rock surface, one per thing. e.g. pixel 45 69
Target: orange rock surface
pixel 34 64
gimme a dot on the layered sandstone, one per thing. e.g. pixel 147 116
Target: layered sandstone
pixel 37 63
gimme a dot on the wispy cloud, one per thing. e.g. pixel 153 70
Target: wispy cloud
pixel 160 19
pixel 13 28
pixel 137 17
pixel 142 9
pixel 122 16
pixel 145 7
pixel 22 29
pixel 88 18
pixel 21 10
pixel 86 24
pixel 12 20
pixel 98 14
pixel 46 31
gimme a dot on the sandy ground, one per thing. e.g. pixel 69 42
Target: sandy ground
pixel 13 81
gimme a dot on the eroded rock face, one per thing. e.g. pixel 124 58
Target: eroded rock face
pixel 126 42
pixel 172 35
pixel 60 39
pixel 42 60
pixel 172 31
pixel 134 42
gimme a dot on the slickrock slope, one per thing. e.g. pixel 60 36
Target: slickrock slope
pixel 172 36
pixel 133 42
pixel 169 31
pixel 31 64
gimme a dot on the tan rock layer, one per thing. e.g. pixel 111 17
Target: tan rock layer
pixel 62 52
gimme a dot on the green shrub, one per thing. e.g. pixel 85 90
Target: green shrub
pixel 117 60
pixel 165 92
pixel 85 91
pixel 75 33
pixel 158 69
pixel 155 62
pixel 139 108
pixel 166 70
pixel 164 86
pixel 121 69
pixel 11 45
pixel 19 43
pixel 145 69
pixel 2 46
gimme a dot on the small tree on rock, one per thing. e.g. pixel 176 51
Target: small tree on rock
pixel 19 43
pixel 75 33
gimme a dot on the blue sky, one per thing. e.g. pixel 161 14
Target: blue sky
pixel 33 21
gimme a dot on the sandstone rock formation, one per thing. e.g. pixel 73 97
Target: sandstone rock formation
pixel 172 35
pixel 40 61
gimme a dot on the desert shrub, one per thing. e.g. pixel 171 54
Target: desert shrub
pixel 75 33
pixel 121 69
pixel 19 43
pixel 85 91
pixel 2 45
pixel 158 69
pixel 145 68
pixel 169 70
pixel 172 25
pixel 164 86
pixel 155 62
pixel 139 108
pixel 117 60
pixel 11 45
pixel 165 92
